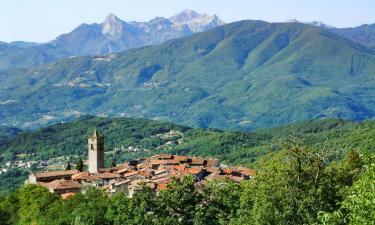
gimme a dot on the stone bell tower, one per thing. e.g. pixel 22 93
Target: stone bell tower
pixel 96 152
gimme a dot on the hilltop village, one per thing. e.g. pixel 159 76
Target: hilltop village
pixel 155 172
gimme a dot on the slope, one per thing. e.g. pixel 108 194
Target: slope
pixel 243 75
pixel 113 35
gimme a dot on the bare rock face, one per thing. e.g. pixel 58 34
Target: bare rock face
pixel 112 25
pixel 111 36
pixel 195 21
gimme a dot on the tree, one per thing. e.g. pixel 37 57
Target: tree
pixel 79 165
pixel 358 207
pixel 291 187
pixel 68 167
pixel 92 209
pixel 177 204
pixel 137 210
pixel 34 201
pixel 113 164
pixel 220 202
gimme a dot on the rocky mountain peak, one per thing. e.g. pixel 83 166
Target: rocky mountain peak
pixel 185 16
pixel 195 21
pixel 112 25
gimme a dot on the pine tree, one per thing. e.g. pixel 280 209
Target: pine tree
pixel 68 167
pixel 113 164
pixel 79 165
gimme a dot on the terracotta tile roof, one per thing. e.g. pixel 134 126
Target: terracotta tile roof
pixel 124 170
pixel 55 173
pixel 62 185
pixel 103 170
pixel 213 169
pixel 143 173
pixel 227 170
pixel 194 171
pixel 120 167
pixel 107 175
pixel 161 187
pixel 181 158
pixel 165 156
pixel 67 195
pixel 85 176
pixel 164 180
pixel 247 172
pixel 130 174
pixel 180 167
pixel 164 162
pixel 197 161
pixel 212 162
pixel 121 182
pixel 161 171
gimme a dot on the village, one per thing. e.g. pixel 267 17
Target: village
pixel 154 172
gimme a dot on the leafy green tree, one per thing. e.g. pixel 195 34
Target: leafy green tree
pixel 34 201
pixel 79 165
pixel 291 187
pixel 245 204
pixel 92 209
pixel 177 204
pixel 221 200
pixel 358 207
pixel 135 210
pixel 8 209
pixel 60 213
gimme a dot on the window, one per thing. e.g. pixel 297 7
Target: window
pixel 92 147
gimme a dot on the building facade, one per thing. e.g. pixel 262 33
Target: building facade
pixel 95 152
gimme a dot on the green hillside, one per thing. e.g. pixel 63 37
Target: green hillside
pixel 233 147
pixel 68 142
pixel 244 75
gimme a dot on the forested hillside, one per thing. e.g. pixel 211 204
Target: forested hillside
pixel 68 141
pixel 244 75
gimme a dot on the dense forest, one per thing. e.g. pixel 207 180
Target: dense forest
pixel 296 185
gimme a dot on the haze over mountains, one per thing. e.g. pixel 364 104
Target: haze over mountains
pixel 113 35
pixel 242 75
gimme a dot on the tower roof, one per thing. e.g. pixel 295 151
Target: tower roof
pixel 96 133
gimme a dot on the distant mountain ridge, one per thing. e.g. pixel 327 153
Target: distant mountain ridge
pixel 363 34
pixel 243 75
pixel 113 35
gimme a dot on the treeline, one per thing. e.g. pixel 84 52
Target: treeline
pixel 297 185
pixel 71 138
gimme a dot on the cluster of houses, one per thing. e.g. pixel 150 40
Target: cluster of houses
pixel 155 172
pixel 26 164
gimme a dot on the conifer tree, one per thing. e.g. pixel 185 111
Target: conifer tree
pixel 79 165
pixel 68 167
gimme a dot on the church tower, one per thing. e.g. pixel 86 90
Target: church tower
pixel 96 152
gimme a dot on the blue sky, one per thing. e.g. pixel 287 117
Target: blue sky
pixel 43 20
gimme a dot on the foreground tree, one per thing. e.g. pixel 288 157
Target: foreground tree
pixel 220 202
pixel 92 209
pixel 292 186
pixel 34 201
pixel 177 204
pixel 358 207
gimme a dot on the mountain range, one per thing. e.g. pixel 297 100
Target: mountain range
pixel 242 75
pixel 363 34
pixel 113 35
